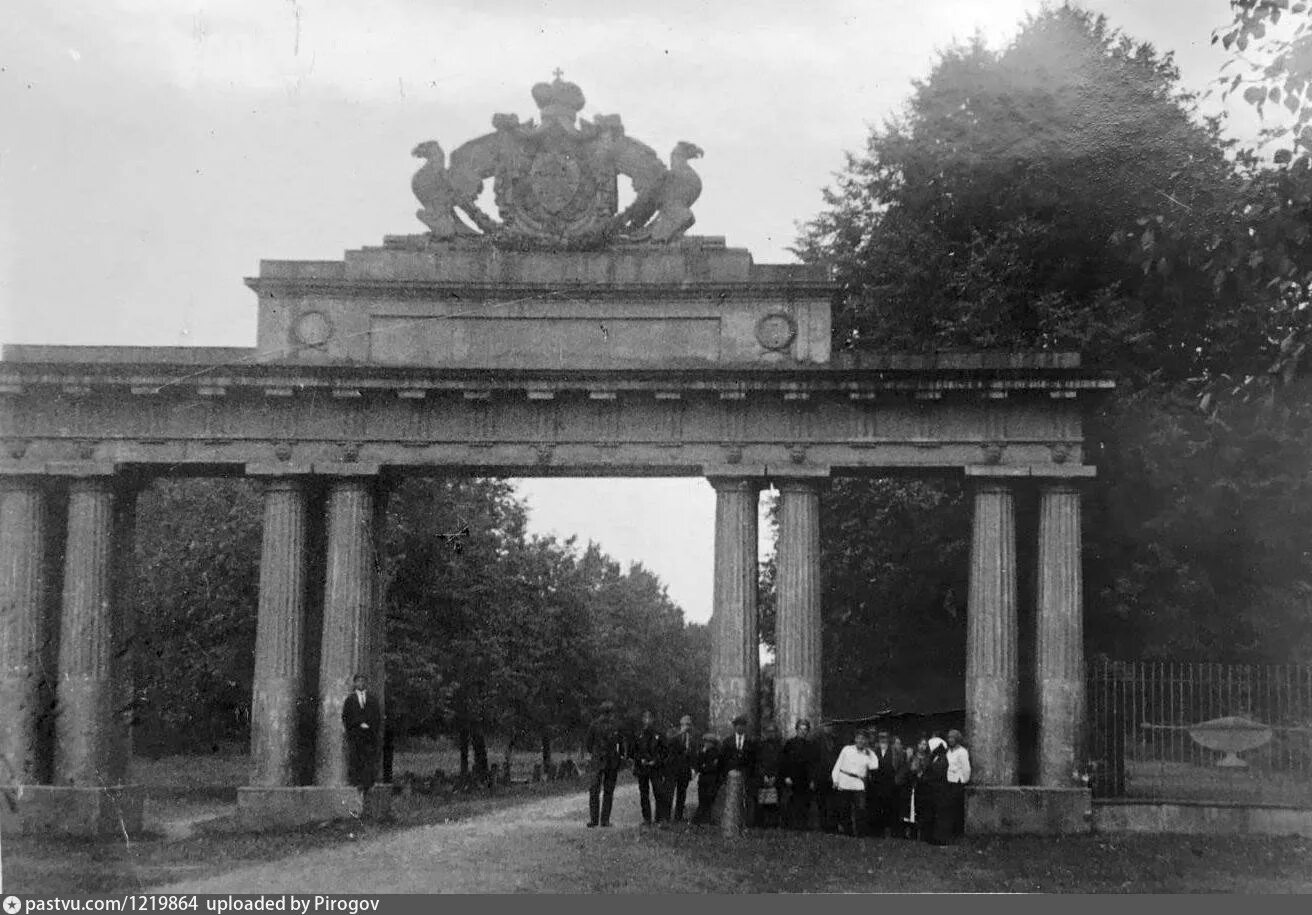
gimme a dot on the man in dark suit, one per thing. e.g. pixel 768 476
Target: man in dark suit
pixel 681 751
pixel 606 749
pixel 739 751
pixel 881 790
pixel 799 765
pixel 649 767
pixel 362 719
pixel 827 750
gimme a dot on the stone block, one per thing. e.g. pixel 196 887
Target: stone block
pixel 106 812
pixel 281 808
pixel 1200 818
pixel 1028 811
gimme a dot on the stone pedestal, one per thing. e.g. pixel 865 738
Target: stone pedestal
pixel 1060 629
pixel 114 811
pixel 349 618
pixel 797 670
pixel 735 651
pixel 991 668
pixel 280 635
pixel 25 684
pixel 261 808
pixel 1028 811
pixel 85 723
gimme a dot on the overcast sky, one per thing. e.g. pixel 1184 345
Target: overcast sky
pixel 153 151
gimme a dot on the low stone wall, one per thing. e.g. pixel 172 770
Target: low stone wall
pixel 1028 811
pixel 281 808
pixel 1201 818
pixel 83 812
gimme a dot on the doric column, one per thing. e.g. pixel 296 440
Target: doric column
pixel 349 617
pixel 279 634
pixel 991 672
pixel 24 682
pixel 124 622
pixel 798 628
pixel 735 652
pixel 1060 629
pixel 84 725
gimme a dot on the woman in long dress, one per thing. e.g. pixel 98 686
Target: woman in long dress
pixel 938 828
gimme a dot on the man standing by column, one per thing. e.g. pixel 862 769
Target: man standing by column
pixel 958 778
pixel 826 754
pixel 680 753
pixel 738 751
pixel 362 721
pixel 649 768
pixel 605 748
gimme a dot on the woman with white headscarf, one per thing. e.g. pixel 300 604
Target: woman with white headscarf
pixel 937 830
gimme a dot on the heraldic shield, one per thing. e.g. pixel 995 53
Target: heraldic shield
pixel 555 182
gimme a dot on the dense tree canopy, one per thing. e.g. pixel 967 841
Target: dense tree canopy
pixel 1063 193
pixel 489 631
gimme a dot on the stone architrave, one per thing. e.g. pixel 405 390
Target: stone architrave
pixel 280 634
pixel 1060 635
pixel 797 670
pixel 24 682
pixel 991 632
pixel 349 617
pixel 85 725
pixel 735 651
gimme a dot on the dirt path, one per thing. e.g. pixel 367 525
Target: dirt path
pixel 539 846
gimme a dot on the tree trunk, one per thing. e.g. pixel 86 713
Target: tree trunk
pixel 505 760
pixel 480 752
pixel 464 752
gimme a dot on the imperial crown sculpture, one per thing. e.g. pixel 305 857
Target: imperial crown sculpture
pixel 555 182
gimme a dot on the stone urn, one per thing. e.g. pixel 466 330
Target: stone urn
pixel 1231 735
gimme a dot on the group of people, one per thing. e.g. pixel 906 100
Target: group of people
pixel 873 786
pixel 887 789
pixel 664 764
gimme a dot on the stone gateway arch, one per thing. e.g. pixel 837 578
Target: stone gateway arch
pixel 563 336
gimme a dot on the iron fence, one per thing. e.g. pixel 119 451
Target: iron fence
pixel 1201 731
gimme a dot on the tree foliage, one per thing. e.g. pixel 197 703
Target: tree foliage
pixel 489 631
pixel 1063 193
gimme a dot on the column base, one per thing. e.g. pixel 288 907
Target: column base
pixel 1028 811
pixel 279 808
pixel 54 810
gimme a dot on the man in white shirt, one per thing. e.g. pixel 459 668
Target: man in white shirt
pixel 958 778
pixel 855 762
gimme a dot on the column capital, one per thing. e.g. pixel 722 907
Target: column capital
pixel 1058 485
pixel 736 484
pixel 800 485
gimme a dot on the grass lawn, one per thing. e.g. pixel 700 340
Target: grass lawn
pixel 772 861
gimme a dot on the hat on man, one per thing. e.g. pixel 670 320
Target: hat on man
pixel 709 737
pixel 955 733
pixel 740 719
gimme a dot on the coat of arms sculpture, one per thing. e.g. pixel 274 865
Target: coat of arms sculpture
pixel 556 182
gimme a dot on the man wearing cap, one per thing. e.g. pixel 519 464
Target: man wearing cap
pixel 649 767
pixel 605 749
pixel 707 764
pixel 958 778
pixel 680 755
